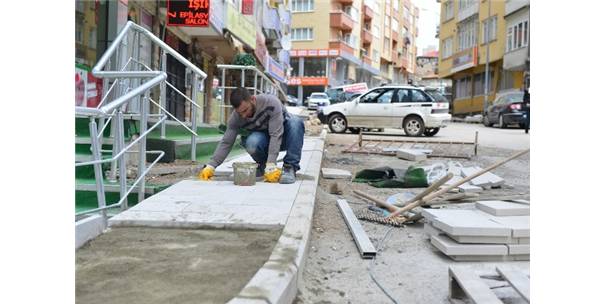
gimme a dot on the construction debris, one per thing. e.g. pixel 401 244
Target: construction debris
pixel 332 173
pixel 365 246
pixel 411 154
pixel 464 282
pixel 336 188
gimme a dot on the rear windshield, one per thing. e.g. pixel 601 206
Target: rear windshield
pixel 516 97
pixel 437 97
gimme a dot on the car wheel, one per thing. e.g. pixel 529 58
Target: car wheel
pixel 337 123
pixel 413 126
pixel 502 124
pixel 354 130
pixel 431 132
pixel 486 121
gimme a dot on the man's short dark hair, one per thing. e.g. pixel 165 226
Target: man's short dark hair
pixel 237 96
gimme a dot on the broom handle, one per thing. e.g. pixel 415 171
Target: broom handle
pixel 379 203
pixel 456 184
pixel 432 187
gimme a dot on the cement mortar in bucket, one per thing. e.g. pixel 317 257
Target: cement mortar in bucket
pixel 245 173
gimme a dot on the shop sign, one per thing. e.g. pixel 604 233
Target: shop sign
pixel 241 27
pixel 315 53
pixel 464 60
pixel 247 7
pixel 188 12
pixel 308 81
pixel 356 88
pixel 275 69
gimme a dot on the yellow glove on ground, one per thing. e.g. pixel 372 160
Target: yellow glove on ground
pixel 206 173
pixel 272 173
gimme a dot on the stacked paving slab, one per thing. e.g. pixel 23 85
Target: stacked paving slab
pixel 493 231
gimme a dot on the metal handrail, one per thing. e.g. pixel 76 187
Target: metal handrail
pixel 139 83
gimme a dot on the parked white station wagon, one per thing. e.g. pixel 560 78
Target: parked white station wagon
pixel 406 107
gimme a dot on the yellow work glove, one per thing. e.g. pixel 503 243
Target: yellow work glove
pixel 206 173
pixel 272 173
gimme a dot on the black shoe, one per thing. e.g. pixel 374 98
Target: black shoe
pixel 260 171
pixel 288 175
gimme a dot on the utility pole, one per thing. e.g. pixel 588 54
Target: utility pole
pixel 487 76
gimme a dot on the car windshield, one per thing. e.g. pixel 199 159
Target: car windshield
pixel 437 96
pixel 515 97
pixel 318 96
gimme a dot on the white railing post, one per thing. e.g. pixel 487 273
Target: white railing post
pixel 194 125
pixel 163 93
pixel 142 145
pixel 119 142
pixel 97 167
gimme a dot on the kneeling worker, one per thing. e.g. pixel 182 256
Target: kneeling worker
pixel 272 129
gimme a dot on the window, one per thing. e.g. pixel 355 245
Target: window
pixel 395 24
pixel 467 34
pixel 517 36
pixel 299 6
pixel 385 44
pixel 305 33
pixel 315 67
pixel 353 12
pixel 463 87
pixel 490 29
pixel 92 38
pixel 403 95
pixel 447 47
pixel 418 96
pixel 371 96
pixel 478 88
pixel 294 64
pixel 396 3
pixel 79 33
pixel 463 4
pixel 375 56
pixel 350 39
pixel 376 31
pixel 386 21
pixel 385 97
pixel 448 10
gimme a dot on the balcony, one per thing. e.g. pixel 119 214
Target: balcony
pixel 394 56
pixel 394 36
pixel 468 11
pixel 513 6
pixel 342 21
pixel 367 13
pixel 341 46
pixel 367 60
pixel 406 23
pixel 366 37
pixel 346 2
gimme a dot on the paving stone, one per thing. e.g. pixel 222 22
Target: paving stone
pixel 454 169
pixel 518 249
pixel 430 230
pixel 486 179
pixel 519 225
pixel 411 154
pixel 227 169
pixel 454 179
pixel 523 240
pixel 468 188
pixel 502 208
pixel 449 247
pixel 521 257
pixel 469 223
pixel 332 173
pixel 88 229
pixel 484 239
pixel 430 214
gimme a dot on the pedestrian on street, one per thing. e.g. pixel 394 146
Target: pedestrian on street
pixel 526 108
pixel 271 130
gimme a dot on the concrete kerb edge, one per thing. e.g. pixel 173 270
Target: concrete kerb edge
pixel 277 281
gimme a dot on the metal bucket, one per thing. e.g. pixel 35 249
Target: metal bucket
pixel 245 173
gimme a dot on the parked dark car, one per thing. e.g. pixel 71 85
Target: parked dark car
pixel 293 101
pixel 506 110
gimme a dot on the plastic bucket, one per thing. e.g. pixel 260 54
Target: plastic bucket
pixel 245 174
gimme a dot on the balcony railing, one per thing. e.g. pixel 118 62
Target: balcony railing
pixel 341 46
pixel 342 21
pixel 366 37
pixel 367 13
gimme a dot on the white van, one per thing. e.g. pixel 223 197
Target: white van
pixel 404 107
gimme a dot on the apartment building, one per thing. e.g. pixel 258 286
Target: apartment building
pixel 337 42
pixel 470 32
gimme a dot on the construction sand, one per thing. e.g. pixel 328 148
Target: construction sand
pixel 152 265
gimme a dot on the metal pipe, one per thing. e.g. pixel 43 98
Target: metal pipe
pixel 194 93
pixel 111 49
pixel 175 118
pixel 126 97
pixel 487 65
pixel 163 92
pixel 134 142
pixel 142 144
pixel 222 110
pixel 137 81
pixel 119 141
pixel 115 149
pixel 181 93
pixel 97 167
pixel 243 77
pixel 161 154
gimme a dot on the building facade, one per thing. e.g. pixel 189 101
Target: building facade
pixel 472 33
pixel 259 28
pixel 338 42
